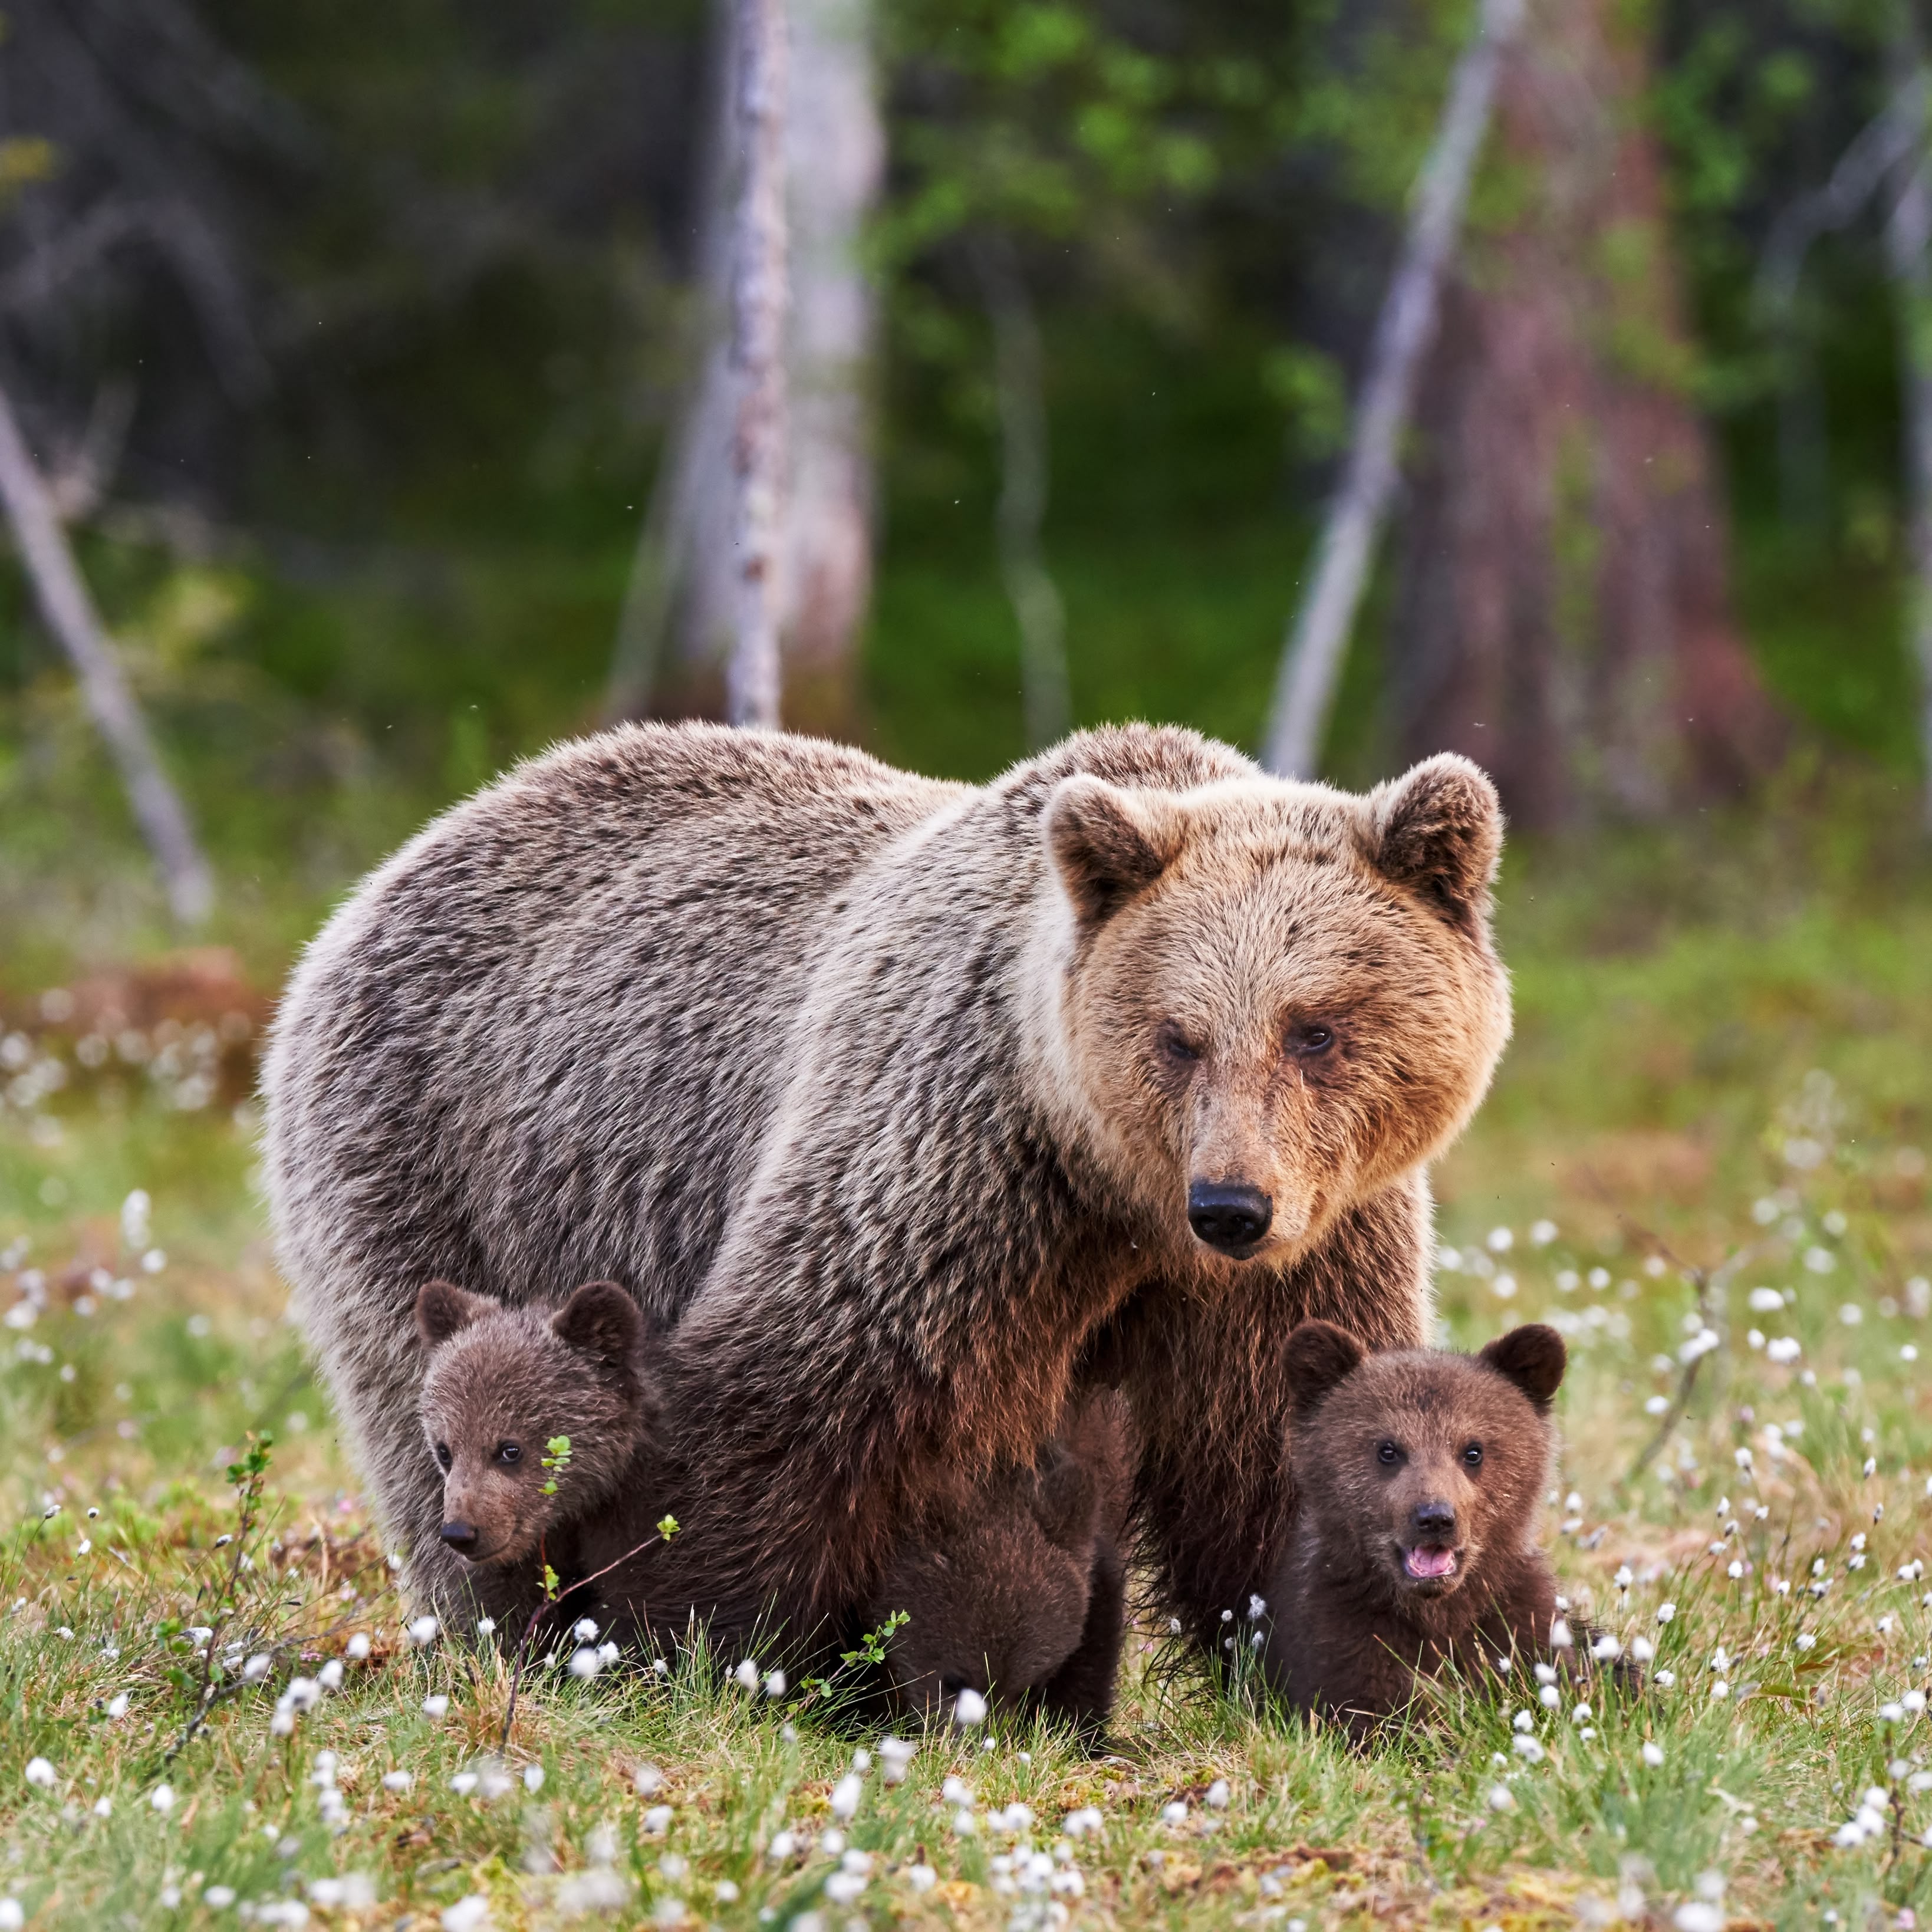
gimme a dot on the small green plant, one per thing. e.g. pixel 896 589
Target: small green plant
pixel 556 1459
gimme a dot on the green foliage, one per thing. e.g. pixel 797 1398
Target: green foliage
pixel 556 1460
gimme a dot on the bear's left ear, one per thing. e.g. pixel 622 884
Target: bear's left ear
pixel 1108 844
pixel 1534 1357
pixel 1067 1500
pixel 1320 1357
pixel 443 1309
pixel 601 1319
pixel 1439 828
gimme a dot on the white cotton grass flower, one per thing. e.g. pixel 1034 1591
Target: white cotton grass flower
pixel 41 1774
pixel 1086 1822
pixel 746 1675
pixel 647 1780
pixel 533 1778
pixel 1217 1795
pixel 162 1798
pixel 957 1791
pixel 585 1629
pixel 1527 1747
pixel 969 1707
pixel 895 1757
pixel 1501 1799
pixel 398 1781
pixel 585 1662
pixel 422 1632
pixel 1665 1612
pixel 469 1914
pixel 357 1648
pixel 1783 1349
pixel 845 1796
pixel 775 1683
pixel 1174 1813
pixel 921 1878
pixel 12 1914
pixel 437 1706
pixel 1653 1752
pixel 1560 1637
pixel 657 1820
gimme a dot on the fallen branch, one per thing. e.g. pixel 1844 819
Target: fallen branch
pixel 69 614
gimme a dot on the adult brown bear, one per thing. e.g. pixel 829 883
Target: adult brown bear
pixel 913 1106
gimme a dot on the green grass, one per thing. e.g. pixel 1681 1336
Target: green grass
pixel 1691 1013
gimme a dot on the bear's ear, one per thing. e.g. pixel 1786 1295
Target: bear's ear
pixel 1534 1357
pixel 1439 828
pixel 442 1308
pixel 1320 1357
pixel 1066 1498
pixel 1107 843
pixel 601 1319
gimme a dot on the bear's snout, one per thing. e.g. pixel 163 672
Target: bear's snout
pixel 459 1535
pixel 1435 1517
pixel 1230 1216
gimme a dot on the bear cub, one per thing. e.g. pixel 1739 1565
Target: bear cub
pixel 501 1384
pixel 1418 1476
pixel 1021 1594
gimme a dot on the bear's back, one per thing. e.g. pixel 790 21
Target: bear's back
pixel 477 1003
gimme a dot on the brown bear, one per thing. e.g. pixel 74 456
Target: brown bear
pixel 1021 1594
pixel 915 1106
pixel 1418 1476
pixel 499 1386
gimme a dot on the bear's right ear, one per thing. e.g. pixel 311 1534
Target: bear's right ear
pixel 1534 1357
pixel 601 1319
pixel 1320 1357
pixel 1066 1498
pixel 1108 844
pixel 442 1309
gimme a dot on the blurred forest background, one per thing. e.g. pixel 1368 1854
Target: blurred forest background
pixel 369 356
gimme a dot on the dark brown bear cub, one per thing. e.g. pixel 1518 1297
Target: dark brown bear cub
pixel 504 1383
pixel 1022 1595
pixel 1418 1476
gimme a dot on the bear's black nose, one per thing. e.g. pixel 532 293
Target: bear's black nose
pixel 1228 1216
pixel 1435 1518
pixel 459 1535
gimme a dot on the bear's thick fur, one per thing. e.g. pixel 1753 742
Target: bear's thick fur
pixel 1419 1475
pixel 904 1101
pixel 1021 1596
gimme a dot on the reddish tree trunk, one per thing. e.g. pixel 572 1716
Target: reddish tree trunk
pixel 1564 616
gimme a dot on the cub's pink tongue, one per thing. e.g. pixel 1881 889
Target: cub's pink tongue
pixel 1429 1562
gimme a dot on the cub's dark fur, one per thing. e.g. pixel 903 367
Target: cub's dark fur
pixel 501 1383
pixel 1419 1475
pixel 1022 1595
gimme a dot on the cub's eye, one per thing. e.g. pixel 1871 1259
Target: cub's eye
pixel 1473 1455
pixel 1310 1040
pixel 442 1456
pixel 1387 1454
pixel 508 1452
pixel 1177 1045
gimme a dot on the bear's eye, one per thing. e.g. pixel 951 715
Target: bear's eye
pixel 443 1457
pixel 1387 1454
pixel 1473 1455
pixel 508 1452
pixel 1310 1039
pixel 1177 1046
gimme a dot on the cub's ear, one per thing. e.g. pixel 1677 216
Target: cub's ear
pixel 442 1308
pixel 1320 1357
pixel 1534 1357
pixel 1107 843
pixel 601 1319
pixel 1066 1498
pixel 1439 828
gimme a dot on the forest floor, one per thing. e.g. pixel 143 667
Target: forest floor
pixel 1708 1140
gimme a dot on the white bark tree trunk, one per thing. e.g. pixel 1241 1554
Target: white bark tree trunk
pixel 69 614
pixel 1312 661
pixel 760 305
pixel 1019 383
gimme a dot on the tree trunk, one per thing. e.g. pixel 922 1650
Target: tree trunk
pixel 1564 613
pixel 760 303
pixel 836 147
pixel 69 612
pixel 680 619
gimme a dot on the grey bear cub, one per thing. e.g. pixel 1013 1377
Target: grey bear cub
pixel 1018 1593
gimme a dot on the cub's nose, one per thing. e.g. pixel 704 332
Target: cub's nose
pixel 459 1535
pixel 1435 1518
pixel 1229 1216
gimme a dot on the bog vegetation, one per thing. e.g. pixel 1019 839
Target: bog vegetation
pixel 1705 1162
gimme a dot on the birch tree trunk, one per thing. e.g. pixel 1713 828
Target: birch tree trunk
pixel 679 617
pixel 1311 663
pixel 760 303
pixel 1019 384
pixel 69 614
pixel 1564 613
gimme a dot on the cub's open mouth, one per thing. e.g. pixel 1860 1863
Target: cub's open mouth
pixel 1428 1565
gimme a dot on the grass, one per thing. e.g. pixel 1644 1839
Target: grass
pixel 1722 1054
